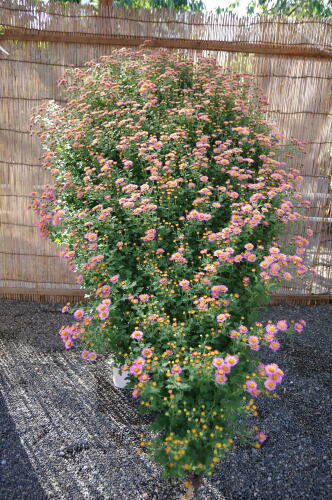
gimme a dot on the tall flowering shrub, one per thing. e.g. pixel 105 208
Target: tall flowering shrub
pixel 168 199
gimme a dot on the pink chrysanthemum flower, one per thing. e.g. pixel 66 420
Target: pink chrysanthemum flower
pixel 144 377
pixel 271 328
pixel 221 318
pixel 232 359
pixel 226 368
pixel 184 284
pixel 84 354
pixel 92 356
pixel 298 327
pixel 144 297
pixel 287 276
pixel 135 393
pixel 271 369
pixel 103 315
pixel 114 279
pixel 251 385
pixel 282 325
pixel 176 369
pixel 221 379
pixel 91 237
pixel 270 384
pixel 78 314
pixel 218 362
pixel 136 369
pixel 274 345
pixel 69 343
pixel 137 335
pixel 261 436
pixel 252 340
pixel 147 352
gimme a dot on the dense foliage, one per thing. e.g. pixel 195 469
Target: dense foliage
pixel 168 198
pixel 289 8
pixel 148 4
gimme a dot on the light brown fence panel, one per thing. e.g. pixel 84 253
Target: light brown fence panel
pixel 290 59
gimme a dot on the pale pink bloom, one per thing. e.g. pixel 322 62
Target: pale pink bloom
pixel 232 360
pixel 270 384
pixel 261 436
pixel 269 337
pixel 287 276
pixel 221 318
pixel 144 377
pixel 254 347
pixel 176 369
pixel 218 362
pixel 136 369
pixel 92 356
pixel 78 314
pixel 144 297
pixel 135 393
pixel 282 325
pixel 274 345
pixel 277 377
pixel 103 314
pixel 271 369
pixel 271 328
pixel 139 361
pixel 226 368
pixel 221 379
pixel 69 343
pixel 185 284
pixel 147 352
pixel 298 327
pixel 251 385
pixel 137 335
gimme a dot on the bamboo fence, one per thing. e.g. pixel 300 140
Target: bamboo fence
pixel 290 59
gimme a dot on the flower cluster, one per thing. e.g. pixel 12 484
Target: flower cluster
pixel 169 193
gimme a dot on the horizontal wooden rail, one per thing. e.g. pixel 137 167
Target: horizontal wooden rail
pixel 300 50
pixel 65 294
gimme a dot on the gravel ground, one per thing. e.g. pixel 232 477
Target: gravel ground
pixel 67 434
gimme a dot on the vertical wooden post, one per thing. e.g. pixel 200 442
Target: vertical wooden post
pixel 104 11
pixel 105 3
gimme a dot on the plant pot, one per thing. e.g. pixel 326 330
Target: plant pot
pixel 120 378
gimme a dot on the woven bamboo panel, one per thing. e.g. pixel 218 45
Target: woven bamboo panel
pixel 290 59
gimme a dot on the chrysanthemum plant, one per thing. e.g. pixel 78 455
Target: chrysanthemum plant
pixel 168 199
